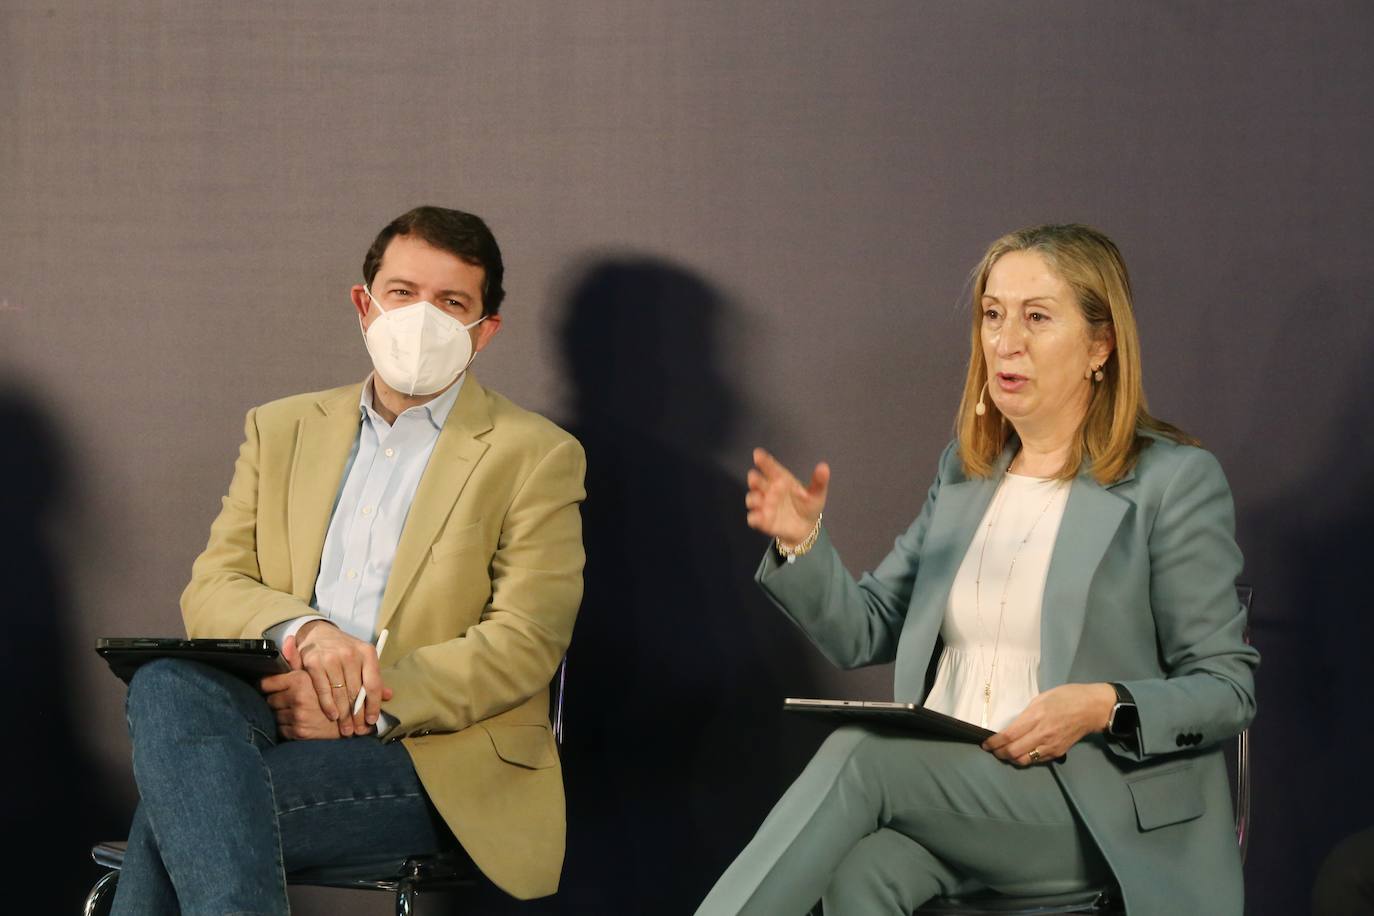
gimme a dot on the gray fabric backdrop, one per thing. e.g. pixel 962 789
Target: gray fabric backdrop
pixel 725 224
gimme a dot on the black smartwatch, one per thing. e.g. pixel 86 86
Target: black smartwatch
pixel 1125 718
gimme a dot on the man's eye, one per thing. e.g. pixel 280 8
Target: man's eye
pixel 453 303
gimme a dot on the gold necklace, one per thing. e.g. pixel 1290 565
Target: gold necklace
pixel 1006 585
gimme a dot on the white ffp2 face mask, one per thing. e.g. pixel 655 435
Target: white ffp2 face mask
pixel 417 349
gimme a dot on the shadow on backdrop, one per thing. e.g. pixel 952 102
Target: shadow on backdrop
pixel 1312 737
pixel 676 747
pixel 56 804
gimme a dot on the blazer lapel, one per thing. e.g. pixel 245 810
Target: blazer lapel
pixel 323 443
pixel 455 455
pixel 959 507
pixel 1091 517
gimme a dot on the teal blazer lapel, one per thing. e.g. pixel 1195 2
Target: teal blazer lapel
pixel 959 507
pixel 1091 517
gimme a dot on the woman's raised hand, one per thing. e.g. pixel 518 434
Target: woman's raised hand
pixel 778 504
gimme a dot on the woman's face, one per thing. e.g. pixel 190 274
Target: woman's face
pixel 1037 345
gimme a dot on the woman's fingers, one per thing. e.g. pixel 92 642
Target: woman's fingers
pixel 769 466
pixel 779 505
pixel 820 481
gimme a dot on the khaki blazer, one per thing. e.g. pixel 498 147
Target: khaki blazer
pixel 1141 591
pixel 480 604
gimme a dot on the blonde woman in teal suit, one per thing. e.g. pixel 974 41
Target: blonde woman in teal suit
pixel 1070 583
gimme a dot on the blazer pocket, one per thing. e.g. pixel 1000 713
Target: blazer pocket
pixel 529 746
pixel 1164 796
pixel 465 538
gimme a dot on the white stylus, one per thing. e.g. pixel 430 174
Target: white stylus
pixel 362 691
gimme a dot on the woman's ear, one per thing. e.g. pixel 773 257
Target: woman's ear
pixel 1103 345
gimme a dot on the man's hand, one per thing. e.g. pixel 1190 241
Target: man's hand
pixel 293 699
pixel 1053 722
pixel 339 666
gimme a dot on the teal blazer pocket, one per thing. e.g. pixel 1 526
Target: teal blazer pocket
pixel 1167 795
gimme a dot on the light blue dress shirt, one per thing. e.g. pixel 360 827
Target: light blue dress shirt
pixel 380 478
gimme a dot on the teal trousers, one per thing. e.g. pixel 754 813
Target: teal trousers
pixel 881 821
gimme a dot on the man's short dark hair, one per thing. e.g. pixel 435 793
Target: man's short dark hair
pixel 461 234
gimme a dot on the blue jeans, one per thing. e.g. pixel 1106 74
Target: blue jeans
pixel 228 810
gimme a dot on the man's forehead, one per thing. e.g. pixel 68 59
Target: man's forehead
pixel 416 262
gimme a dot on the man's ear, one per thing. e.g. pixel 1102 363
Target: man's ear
pixel 361 303
pixel 485 332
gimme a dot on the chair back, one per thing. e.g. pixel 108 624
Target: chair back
pixel 1246 594
pixel 558 690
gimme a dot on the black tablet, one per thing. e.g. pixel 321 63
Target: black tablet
pixel 250 659
pixel 911 716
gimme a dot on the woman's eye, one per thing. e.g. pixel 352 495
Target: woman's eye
pixel 1037 317
pixel 991 314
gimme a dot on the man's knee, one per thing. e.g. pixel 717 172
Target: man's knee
pixel 166 687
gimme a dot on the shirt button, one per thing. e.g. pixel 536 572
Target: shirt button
pixel 352 574
pixel 390 453
pixel 367 510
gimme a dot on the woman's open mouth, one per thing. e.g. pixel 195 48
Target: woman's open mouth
pixel 1010 381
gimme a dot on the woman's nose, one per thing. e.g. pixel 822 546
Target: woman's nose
pixel 1011 339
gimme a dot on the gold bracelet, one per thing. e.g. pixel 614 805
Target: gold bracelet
pixel 790 552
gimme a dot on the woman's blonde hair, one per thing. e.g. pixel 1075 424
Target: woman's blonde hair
pixel 1110 438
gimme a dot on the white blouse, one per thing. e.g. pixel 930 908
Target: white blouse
pixel 988 670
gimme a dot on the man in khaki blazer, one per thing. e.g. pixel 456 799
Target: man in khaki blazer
pixel 479 602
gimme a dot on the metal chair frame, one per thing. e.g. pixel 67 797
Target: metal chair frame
pixel 1103 901
pixel 446 870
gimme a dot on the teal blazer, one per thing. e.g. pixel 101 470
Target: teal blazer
pixel 1140 591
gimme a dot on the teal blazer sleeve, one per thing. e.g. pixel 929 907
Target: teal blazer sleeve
pixel 852 623
pixel 1208 691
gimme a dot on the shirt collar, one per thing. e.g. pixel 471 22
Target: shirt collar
pixel 436 411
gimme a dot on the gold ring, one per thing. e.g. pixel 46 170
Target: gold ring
pixel 337 686
pixel 1034 755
